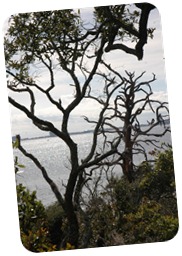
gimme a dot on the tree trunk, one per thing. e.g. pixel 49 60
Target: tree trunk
pixel 73 226
pixel 72 234
pixel 128 156
pixel 128 164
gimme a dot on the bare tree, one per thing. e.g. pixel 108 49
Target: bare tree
pixel 130 100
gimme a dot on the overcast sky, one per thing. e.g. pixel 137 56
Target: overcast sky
pixel 153 62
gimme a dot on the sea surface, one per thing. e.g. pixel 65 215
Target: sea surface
pixel 53 154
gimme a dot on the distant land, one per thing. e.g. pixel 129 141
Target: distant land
pixel 73 133
pixel 52 135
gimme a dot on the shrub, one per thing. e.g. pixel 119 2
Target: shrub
pixel 55 217
pixel 33 223
pixel 160 182
pixel 148 224
pixel 147 206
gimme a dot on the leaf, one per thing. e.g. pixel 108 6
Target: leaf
pixel 16 143
pixel 21 165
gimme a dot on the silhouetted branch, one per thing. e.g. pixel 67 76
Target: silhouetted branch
pixel 141 34
pixel 41 124
pixel 43 171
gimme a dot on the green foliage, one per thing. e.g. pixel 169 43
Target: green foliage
pixel 126 195
pixel 148 206
pixel 15 143
pixel 103 219
pixel 17 165
pixel 37 241
pixel 147 224
pixel 55 217
pixel 35 37
pixel 68 247
pixel 124 17
pixel 33 223
pixel 31 211
pixel 142 211
pixel 115 15
pixel 160 180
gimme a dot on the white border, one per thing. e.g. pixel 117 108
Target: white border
pixel 171 24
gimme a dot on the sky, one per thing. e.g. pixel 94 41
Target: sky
pixel 153 62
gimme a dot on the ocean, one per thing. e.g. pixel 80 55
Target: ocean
pixel 54 156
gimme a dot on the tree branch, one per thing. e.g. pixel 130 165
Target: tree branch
pixel 41 124
pixel 44 172
pixel 141 34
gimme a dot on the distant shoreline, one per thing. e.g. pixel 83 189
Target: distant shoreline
pixel 51 135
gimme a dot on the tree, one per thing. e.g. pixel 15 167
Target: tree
pixel 129 102
pixel 56 42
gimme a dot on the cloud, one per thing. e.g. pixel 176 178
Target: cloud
pixel 160 96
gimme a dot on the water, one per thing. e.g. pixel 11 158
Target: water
pixel 53 154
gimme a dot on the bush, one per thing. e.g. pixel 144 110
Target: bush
pixel 147 207
pixel 148 224
pixel 160 181
pixel 31 211
pixel 33 223
pixel 55 217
